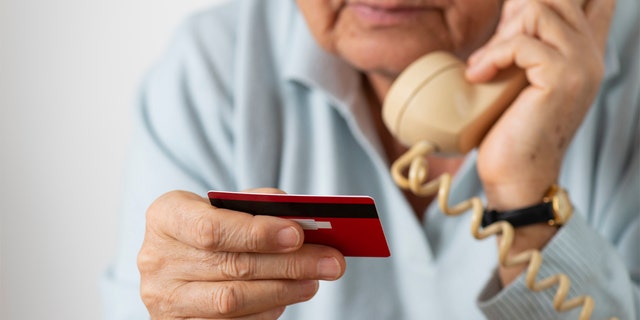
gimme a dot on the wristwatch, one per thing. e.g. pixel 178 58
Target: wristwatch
pixel 555 209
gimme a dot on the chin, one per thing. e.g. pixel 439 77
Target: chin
pixel 387 60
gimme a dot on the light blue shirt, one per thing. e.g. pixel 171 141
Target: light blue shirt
pixel 244 98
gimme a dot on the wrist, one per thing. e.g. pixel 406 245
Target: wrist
pixel 532 236
pixel 503 197
pixel 534 226
pixel 555 209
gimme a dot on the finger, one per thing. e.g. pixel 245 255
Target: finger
pixel 309 262
pixel 264 190
pixel 523 51
pixel 572 11
pixel 599 14
pixel 267 315
pixel 190 219
pixel 561 24
pixel 562 84
pixel 510 9
pixel 230 299
pixel 550 24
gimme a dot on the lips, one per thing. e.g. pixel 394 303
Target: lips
pixel 385 14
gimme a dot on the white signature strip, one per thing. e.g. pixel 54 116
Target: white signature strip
pixel 310 224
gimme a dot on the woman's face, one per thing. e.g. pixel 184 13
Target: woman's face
pixel 383 36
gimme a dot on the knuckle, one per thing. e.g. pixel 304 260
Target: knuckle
pixel 255 237
pixel 206 232
pixel 227 299
pixel 235 265
pixel 153 211
pixel 152 292
pixel 162 202
pixel 532 16
pixel 168 203
pixel 152 298
pixel 149 296
pixel 292 269
pixel 148 261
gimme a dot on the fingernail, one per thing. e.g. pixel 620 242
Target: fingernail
pixel 308 288
pixel 329 268
pixel 288 237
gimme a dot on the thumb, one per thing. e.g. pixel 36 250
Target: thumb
pixel 264 190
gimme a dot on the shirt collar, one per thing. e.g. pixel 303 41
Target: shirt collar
pixel 313 67
pixel 328 74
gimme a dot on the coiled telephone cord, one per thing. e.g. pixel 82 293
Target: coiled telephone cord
pixel 415 161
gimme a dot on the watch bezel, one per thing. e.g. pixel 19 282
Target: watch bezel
pixel 560 204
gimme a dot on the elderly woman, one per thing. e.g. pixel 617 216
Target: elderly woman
pixel 286 96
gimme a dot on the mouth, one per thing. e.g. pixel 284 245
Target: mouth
pixel 378 15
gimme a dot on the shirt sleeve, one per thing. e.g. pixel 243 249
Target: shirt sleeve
pixel 594 267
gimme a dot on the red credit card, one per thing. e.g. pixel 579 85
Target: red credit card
pixel 347 223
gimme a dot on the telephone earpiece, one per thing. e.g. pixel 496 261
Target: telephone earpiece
pixel 431 100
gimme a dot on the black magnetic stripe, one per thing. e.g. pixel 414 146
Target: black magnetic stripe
pixel 299 209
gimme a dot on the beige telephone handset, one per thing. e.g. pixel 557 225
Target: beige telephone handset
pixel 421 104
pixel 432 108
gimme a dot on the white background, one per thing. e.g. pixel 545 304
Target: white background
pixel 69 70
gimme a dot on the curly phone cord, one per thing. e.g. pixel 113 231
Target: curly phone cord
pixel 415 160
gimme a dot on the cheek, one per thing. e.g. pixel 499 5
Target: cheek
pixel 321 17
pixel 471 26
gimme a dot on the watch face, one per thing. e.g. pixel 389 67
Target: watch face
pixel 562 206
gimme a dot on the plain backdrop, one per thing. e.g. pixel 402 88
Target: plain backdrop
pixel 69 70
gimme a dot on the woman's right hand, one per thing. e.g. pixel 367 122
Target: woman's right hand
pixel 199 261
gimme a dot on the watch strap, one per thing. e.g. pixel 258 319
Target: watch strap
pixel 542 212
